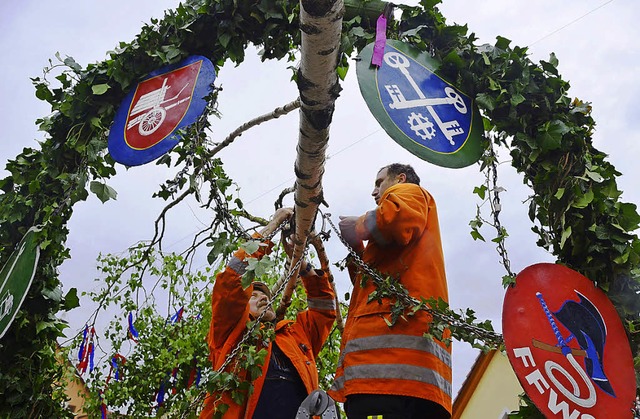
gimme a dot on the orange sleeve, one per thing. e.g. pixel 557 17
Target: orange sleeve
pixel 400 217
pixel 229 302
pixel 318 319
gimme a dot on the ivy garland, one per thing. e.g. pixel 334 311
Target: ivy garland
pixel 575 204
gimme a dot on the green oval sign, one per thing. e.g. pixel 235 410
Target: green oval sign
pixel 421 111
pixel 16 277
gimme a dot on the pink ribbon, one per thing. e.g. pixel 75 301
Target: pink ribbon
pixel 381 40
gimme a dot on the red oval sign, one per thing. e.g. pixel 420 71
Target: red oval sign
pixel 567 345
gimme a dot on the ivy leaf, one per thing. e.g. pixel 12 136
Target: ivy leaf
pixel 224 39
pixel 70 62
pixel 247 279
pixel 172 52
pixel 220 245
pixel 41 325
pixel 263 266
pixel 583 200
pixel 250 247
pixel 594 176
pixel 100 89
pixel 565 235
pixel 552 135
pixel 517 99
pixel 486 59
pixel 342 72
pixel 430 4
pixel 486 101
pixel 71 300
pixel 480 191
pixel 622 258
pixel 628 218
pixel 103 191
pixel 559 193
pixel 508 280
pixel 502 42
pixel 476 235
pixel 359 32
pixel 53 294
pixel 43 92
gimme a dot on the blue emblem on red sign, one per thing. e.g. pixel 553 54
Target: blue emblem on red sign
pixel 170 98
pixel 420 110
pixel 567 345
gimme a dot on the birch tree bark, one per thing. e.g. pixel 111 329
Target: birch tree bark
pixel 321 27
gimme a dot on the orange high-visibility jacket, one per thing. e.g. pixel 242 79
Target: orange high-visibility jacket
pixel 300 340
pixel 403 243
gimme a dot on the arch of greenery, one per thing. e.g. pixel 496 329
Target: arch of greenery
pixel 574 206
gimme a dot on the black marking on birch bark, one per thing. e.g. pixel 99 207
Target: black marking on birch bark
pixel 306 101
pixel 303 82
pixel 327 51
pixel 340 14
pixel 335 90
pixel 304 134
pixel 300 203
pixel 310 29
pixel 320 118
pixel 313 154
pixel 300 174
pixel 318 8
pixel 311 187
pixel 318 198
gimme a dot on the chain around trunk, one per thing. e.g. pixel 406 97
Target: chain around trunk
pixel 482 334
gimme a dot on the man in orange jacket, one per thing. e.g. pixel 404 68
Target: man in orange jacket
pixel 393 372
pixel 289 371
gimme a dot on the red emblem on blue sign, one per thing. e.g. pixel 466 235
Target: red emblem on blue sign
pixel 567 345
pixel 170 98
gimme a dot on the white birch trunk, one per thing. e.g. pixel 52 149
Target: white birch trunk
pixel 321 27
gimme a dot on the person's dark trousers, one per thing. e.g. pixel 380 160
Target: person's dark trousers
pixel 380 406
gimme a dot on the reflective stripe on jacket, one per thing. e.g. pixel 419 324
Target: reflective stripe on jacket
pixel 300 340
pixel 403 243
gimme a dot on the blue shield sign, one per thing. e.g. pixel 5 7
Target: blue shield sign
pixel 420 110
pixel 169 99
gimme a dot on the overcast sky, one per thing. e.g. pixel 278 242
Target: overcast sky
pixel 594 40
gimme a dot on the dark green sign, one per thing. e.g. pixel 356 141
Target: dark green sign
pixel 421 111
pixel 16 277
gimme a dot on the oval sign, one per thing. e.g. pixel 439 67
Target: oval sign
pixel 168 99
pixel 567 345
pixel 16 277
pixel 421 111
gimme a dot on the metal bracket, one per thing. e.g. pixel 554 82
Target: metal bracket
pixel 318 403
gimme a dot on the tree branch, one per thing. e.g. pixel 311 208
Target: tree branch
pixel 276 113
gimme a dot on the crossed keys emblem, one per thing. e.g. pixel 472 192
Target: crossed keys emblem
pixel 423 125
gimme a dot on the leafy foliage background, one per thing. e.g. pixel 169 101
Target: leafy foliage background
pixel 575 209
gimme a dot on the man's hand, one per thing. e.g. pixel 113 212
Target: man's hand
pixel 347 226
pixel 287 245
pixel 280 216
